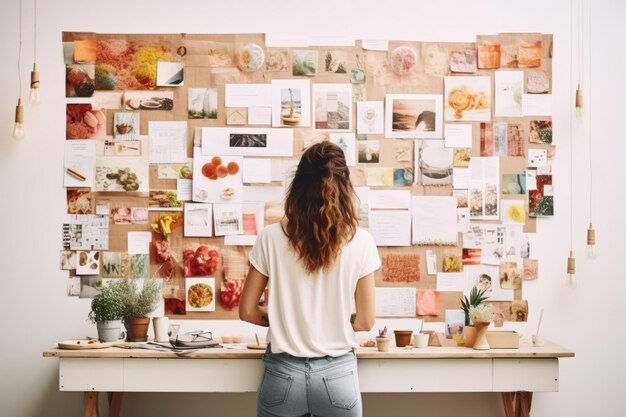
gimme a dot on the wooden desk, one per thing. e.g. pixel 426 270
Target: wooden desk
pixel 516 373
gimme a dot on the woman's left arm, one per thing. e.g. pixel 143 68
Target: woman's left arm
pixel 249 308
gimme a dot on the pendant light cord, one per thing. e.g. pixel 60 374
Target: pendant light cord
pixel 19 57
pixel 571 126
pixel 589 120
pixel 35 35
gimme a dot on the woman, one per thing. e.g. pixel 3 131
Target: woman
pixel 319 268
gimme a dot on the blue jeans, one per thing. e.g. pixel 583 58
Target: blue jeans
pixel 293 386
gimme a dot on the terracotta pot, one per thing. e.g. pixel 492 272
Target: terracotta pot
pixel 382 344
pixel 403 337
pixel 481 335
pixel 469 336
pixel 138 329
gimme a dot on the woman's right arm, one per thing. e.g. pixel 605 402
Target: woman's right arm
pixel 365 317
pixel 249 308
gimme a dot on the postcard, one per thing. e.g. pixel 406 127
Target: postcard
pixel 389 199
pixel 236 116
pixel 167 142
pixel 390 227
pixel 198 220
pixel 84 121
pixel 455 322
pixel 247 95
pixel 217 179
pixel 253 222
pixel 122 148
pixel 79 79
pixel 202 103
pixel 513 184
pixel 463 61
pixel 513 211
pixel 228 219
pixel 370 117
pixel 396 302
pixel 176 171
pixel 458 135
pixel 509 87
pixel 139 242
pixel 200 294
pixel 347 143
pixel 67 260
pixel 332 107
pixel 427 303
pixel 259 115
pixel 413 116
pixel 433 163
pixel 510 275
pixel 401 267
pixel 537 104
pixel 126 126
pixel 247 141
pixel 304 62
pixel 149 100
pixel 540 131
pixel 467 98
pixel 434 220
pixel 170 74
pixel 368 151
pixel 379 177
pixel 88 262
pixel 79 161
pixel 484 191
pixel 121 174
pixel 451 281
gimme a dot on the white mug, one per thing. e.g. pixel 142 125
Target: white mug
pixel 161 326
pixel 421 340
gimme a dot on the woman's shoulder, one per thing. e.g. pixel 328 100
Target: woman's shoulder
pixel 271 231
pixel 362 236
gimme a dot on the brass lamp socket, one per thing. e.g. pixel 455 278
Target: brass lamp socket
pixel 579 98
pixel 34 77
pixel 571 264
pixel 19 112
pixel 591 235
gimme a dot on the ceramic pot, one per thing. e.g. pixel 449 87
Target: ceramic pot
pixel 110 331
pixel 382 344
pixel 138 329
pixel 469 336
pixel 403 337
pixel 481 335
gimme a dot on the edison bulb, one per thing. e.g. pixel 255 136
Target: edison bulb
pixel 571 281
pixel 18 131
pixel 34 96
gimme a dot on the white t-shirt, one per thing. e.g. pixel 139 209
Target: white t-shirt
pixel 309 315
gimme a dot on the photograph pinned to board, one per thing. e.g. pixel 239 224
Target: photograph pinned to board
pixel 115 265
pixel 89 286
pixel 79 162
pixel 541 199
pixel 427 303
pixel 126 125
pixel 216 179
pixel 198 220
pixel 467 98
pixel 79 201
pixel 379 177
pixel 513 211
pixel 149 100
pixel 122 148
pixel 304 62
pixel 434 220
pixel 79 79
pixel 252 215
pixel 176 171
pixel 88 262
pixel 370 117
pixel 413 116
pixel 511 275
pixel 433 163
pixel 121 174
pixel 484 191
pixel 537 82
pixel 347 143
pixel 121 215
pixel 403 177
pixel 228 219
pixel 336 62
pixel 200 294
pixel 537 158
pixel 403 150
pixel 73 286
pixel 202 103
pixel 368 151
pixel 455 322
pixel 540 131
pixel 291 103
pixel 277 60
pixel 531 269
pixel 140 265
pixel 242 141
pixel 461 157
pixel 167 142
pixel 489 54
pixel 84 121
pixel 332 107
pixel 67 260
pixel 513 184
pixel 509 87
pixel 515 142
pixel 471 256
pixel 493 139
pixel 170 74
pixel 487 277
pixel 164 200
pixel 463 61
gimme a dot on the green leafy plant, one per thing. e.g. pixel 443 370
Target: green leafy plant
pixel 139 302
pixel 476 298
pixel 107 305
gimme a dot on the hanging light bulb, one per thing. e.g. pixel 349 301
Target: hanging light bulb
pixel 18 128
pixel 579 102
pixel 571 271
pixel 591 242
pixel 34 97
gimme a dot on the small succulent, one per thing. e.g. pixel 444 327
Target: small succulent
pixel 382 332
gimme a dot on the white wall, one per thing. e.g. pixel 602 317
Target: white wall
pixel 35 313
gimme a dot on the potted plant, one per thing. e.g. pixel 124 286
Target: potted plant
pixel 106 311
pixel 382 341
pixel 137 303
pixel 481 315
pixel 476 298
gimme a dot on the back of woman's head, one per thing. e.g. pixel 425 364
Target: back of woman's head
pixel 319 208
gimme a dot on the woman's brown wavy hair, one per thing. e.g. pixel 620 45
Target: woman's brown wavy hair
pixel 319 209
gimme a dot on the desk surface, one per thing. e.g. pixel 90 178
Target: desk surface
pixel 550 350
